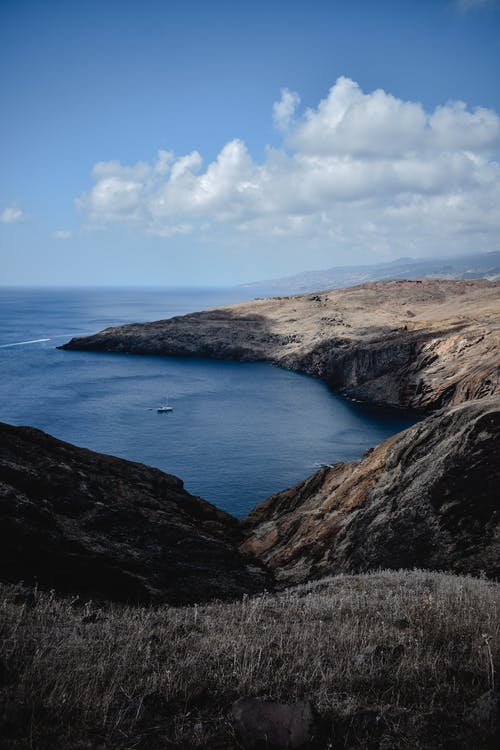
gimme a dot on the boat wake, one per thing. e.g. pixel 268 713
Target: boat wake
pixel 22 343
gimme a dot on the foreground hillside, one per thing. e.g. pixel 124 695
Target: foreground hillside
pixel 86 523
pixel 421 344
pixel 427 497
pixel 402 660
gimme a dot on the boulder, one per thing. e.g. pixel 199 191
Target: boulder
pixel 265 724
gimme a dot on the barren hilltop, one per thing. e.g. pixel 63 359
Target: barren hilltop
pixel 420 344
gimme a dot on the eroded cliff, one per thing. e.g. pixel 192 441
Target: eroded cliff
pixel 427 497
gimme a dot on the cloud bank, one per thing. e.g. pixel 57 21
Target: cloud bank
pixel 366 171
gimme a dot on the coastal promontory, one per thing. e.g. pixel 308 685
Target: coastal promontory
pixel 421 344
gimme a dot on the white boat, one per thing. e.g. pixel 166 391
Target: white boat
pixel 164 408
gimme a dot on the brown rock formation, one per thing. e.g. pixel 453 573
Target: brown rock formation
pixel 427 497
pixel 85 523
pixel 422 344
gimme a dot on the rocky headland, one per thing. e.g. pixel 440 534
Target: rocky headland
pixel 84 523
pixel 418 344
pixel 427 497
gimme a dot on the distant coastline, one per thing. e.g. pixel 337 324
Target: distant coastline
pixel 478 266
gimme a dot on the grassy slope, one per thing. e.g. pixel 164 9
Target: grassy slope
pixel 417 648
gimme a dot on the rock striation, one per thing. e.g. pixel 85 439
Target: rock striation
pixel 421 344
pixel 85 523
pixel 427 497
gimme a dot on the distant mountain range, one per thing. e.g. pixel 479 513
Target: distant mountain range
pixel 483 265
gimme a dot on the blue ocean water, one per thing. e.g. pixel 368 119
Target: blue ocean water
pixel 238 432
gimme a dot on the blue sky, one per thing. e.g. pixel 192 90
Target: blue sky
pixel 219 142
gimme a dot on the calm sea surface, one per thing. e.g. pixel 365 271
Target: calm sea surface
pixel 238 433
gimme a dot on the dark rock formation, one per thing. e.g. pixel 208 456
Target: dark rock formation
pixel 420 344
pixel 427 497
pixel 217 334
pixel 264 724
pixel 85 523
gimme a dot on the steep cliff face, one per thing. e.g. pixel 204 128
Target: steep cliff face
pixel 85 523
pixel 422 369
pixel 427 497
pixel 419 344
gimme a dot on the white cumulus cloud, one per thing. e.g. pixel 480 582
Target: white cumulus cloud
pixel 360 170
pixel 11 215
pixel 62 234
pixel 351 123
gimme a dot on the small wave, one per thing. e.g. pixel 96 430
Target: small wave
pixel 22 343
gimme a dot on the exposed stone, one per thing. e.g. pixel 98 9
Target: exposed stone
pixel 427 497
pixel 420 344
pixel 265 724
pixel 82 522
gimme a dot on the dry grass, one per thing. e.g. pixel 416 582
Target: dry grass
pixel 416 647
